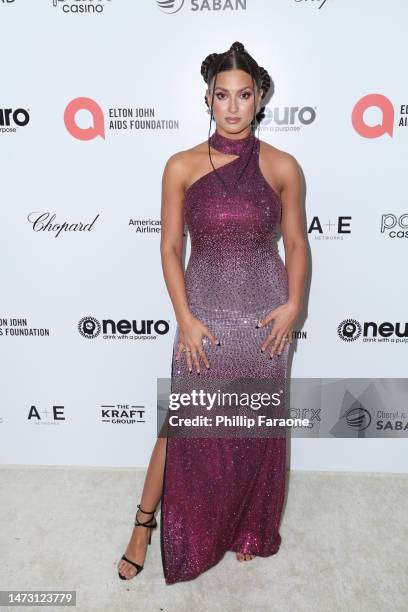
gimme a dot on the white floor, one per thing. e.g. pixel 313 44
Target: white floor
pixel 344 545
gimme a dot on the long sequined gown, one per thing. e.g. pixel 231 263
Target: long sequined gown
pixel 227 494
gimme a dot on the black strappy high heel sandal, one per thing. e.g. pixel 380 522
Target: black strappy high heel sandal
pixel 137 524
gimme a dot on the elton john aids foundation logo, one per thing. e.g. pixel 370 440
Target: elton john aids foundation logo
pixel 97 127
pixel 386 124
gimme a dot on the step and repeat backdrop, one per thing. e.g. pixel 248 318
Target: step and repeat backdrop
pixel 96 95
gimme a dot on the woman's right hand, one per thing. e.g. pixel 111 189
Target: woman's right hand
pixel 192 331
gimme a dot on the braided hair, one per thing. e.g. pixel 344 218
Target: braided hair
pixel 237 57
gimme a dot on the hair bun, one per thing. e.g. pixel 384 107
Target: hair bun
pixel 266 81
pixel 237 46
pixel 206 64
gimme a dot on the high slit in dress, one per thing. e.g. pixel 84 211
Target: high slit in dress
pixel 226 494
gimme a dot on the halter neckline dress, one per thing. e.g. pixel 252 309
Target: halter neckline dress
pixel 226 494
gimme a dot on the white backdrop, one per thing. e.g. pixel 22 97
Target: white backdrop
pixel 96 95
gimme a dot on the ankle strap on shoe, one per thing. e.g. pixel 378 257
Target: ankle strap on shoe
pixel 144 511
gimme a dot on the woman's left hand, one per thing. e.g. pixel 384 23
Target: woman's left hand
pixel 283 318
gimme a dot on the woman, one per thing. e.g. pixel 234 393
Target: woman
pixel 235 308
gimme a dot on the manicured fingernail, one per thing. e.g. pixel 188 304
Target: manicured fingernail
pixel 198 371
pixel 190 370
pixel 208 367
pixel 219 343
pixel 258 325
pixel 262 350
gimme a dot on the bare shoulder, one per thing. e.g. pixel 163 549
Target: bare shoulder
pixel 182 163
pixel 175 165
pixel 186 163
pixel 279 166
pixel 281 159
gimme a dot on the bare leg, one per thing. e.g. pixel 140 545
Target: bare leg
pixel 244 557
pixel 152 491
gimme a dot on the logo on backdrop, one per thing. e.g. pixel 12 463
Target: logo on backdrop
pixel 146 226
pixel 84 133
pixel 386 109
pixel 11 119
pixel 287 118
pixel 16 327
pixel 377 103
pixel 85 6
pixel 319 3
pixel 362 411
pixel 170 6
pixel 144 329
pixel 51 416
pixel 313 415
pixel 174 6
pixel 123 414
pixel 357 417
pixel 354 416
pixel 392 421
pixel 393 226
pixel 119 414
pixel 44 222
pixel 331 230
pixel 350 407
pixel 350 330
pixel 120 119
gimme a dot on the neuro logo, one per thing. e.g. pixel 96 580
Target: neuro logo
pixel 89 327
pixel 170 6
pixel 289 115
pixel 17 116
pixel 97 127
pixel 386 124
pixel 373 331
pixel 358 418
pixel 349 330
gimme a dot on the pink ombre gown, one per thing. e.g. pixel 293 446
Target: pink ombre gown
pixel 225 494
